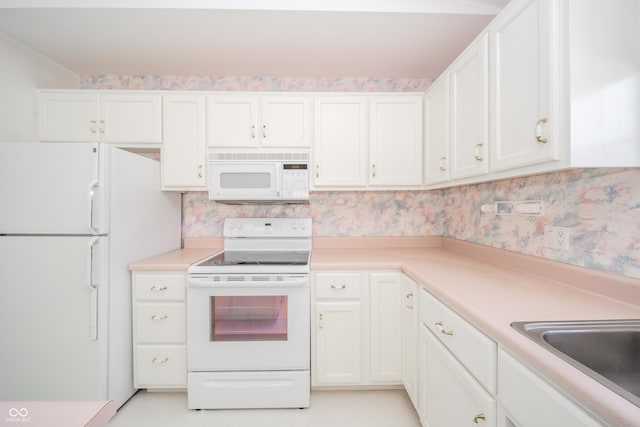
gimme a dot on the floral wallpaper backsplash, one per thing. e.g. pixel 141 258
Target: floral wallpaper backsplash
pixel 600 206
pixel 334 214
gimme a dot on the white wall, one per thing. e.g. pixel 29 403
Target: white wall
pixel 22 71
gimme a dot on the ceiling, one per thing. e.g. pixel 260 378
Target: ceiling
pixel 279 38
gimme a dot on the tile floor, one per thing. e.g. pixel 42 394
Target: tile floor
pixel 379 408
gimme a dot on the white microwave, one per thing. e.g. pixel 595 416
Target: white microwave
pixel 258 177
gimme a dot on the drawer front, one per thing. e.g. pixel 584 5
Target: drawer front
pixel 160 323
pixel 161 366
pixel 476 351
pixel 338 285
pixel 159 286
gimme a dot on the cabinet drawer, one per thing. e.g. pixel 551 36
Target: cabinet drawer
pixel 160 323
pixel 158 286
pixel 161 366
pixel 476 351
pixel 338 285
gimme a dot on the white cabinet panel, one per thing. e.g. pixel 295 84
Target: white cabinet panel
pixel 469 80
pixel 410 338
pixel 386 323
pixel 395 132
pixel 452 396
pixel 338 341
pixel 253 121
pixel 183 151
pixel 437 131
pixel 522 75
pixel 90 116
pixel 529 401
pixel 340 141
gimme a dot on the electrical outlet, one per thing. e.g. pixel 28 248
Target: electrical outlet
pixel 557 238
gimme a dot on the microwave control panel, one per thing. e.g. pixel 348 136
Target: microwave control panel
pixel 295 181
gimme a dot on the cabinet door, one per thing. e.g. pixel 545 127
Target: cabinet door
pixel 522 61
pixel 131 118
pixel 183 151
pixel 452 396
pixel 285 121
pixel 338 351
pixel 232 121
pixel 395 141
pixel 529 401
pixel 385 327
pixel 469 80
pixel 340 143
pixel 410 338
pixel 437 131
pixel 68 117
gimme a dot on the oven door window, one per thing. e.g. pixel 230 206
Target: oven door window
pixel 248 318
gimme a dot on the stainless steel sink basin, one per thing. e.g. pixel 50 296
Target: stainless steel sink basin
pixel 606 350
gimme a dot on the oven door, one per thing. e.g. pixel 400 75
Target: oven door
pixel 244 181
pixel 237 322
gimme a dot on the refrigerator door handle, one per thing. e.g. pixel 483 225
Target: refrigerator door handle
pixel 93 288
pixel 92 186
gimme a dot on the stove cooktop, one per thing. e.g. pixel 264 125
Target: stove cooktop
pixel 275 258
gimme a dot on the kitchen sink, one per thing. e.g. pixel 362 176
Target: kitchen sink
pixel 606 350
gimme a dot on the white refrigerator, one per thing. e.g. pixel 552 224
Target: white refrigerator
pixel 72 217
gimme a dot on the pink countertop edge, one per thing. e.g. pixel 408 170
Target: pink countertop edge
pixel 491 288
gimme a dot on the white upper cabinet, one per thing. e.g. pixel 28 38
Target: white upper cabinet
pixel 367 142
pixel 395 146
pixel 87 116
pixel 252 121
pixel 469 113
pixel 340 141
pixel 437 131
pixel 184 149
pixel 524 84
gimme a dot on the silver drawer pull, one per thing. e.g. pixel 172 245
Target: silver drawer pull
pixel 156 317
pixel 159 289
pixel 157 361
pixel 343 286
pixel 440 327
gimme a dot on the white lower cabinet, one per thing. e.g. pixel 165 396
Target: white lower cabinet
pixel 159 330
pixel 356 324
pixel 410 338
pixel 527 400
pixel 450 394
pixel 457 370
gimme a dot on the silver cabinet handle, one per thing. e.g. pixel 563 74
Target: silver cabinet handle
pixel 443 166
pixel 158 289
pixel 320 321
pixel 478 152
pixel 264 131
pixel 442 330
pixel 93 126
pixel 539 124
pixel 157 361
pixel 199 171
pixel 253 132
pixel 102 127
pixel 343 286
pixel 373 170
pixel 156 317
pixel 317 171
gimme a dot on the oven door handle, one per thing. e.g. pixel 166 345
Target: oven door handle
pixel 213 282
